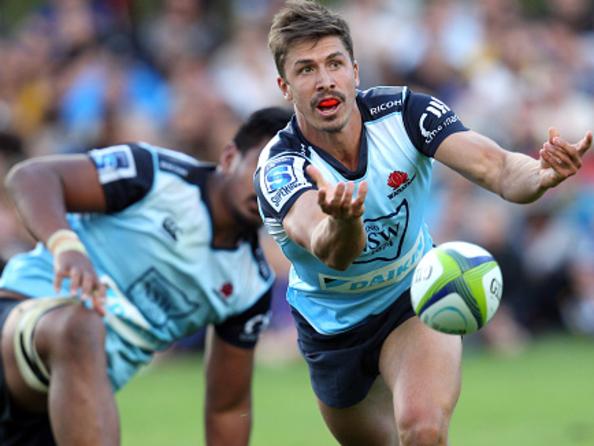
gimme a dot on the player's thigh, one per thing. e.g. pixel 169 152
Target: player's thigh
pixel 20 392
pixel 368 423
pixel 423 367
pixel 62 329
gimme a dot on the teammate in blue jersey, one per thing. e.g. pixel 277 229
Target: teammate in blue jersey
pixel 160 245
pixel 343 190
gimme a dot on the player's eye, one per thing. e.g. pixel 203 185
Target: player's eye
pixel 335 64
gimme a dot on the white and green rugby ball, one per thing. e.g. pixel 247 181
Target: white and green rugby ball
pixel 456 288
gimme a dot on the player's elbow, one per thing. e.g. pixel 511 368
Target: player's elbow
pixel 337 259
pixel 20 174
pixel 338 264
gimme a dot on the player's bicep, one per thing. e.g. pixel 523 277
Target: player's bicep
pixel 476 157
pixel 77 177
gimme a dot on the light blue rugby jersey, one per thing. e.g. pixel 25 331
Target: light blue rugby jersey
pixel 155 244
pixel 401 133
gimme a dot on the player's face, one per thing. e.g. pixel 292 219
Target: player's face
pixel 321 81
pixel 240 194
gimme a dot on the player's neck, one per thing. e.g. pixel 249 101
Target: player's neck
pixel 343 145
pixel 226 233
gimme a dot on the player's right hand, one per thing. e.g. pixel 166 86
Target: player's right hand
pixel 337 200
pixel 76 266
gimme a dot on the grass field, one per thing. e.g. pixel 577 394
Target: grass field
pixel 544 397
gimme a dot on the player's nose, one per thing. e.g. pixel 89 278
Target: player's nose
pixel 325 80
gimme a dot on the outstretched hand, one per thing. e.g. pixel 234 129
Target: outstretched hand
pixel 560 159
pixel 337 200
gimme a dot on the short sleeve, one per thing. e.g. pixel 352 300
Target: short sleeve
pixel 243 330
pixel 279 182
pixel 126 173
pixel 428 121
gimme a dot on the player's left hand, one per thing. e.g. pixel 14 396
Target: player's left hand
pixel 561 159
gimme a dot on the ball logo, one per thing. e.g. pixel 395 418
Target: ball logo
pixel 423 273
pixel 495 288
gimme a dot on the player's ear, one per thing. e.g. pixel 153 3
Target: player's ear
pixel 229 158
pixel 356 71
pixel 284 88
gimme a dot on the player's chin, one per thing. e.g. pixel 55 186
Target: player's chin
pixel 333 126
pixel 252 220
pixel 332 123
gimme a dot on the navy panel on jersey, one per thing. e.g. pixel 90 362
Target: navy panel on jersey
pixel 379 102
pixel 126 173
pixel 428 121
pixel 244 329
pixel 177 165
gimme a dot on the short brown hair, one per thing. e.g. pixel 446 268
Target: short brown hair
pixel 301 20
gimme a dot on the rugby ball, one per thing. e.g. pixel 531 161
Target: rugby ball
pixel 456 288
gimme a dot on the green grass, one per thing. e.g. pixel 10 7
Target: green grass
pixel 543 397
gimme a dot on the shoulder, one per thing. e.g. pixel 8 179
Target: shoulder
pixel 178 164
pixel 281 177
pixel 379 102
pixel 286 143
pixel 132 154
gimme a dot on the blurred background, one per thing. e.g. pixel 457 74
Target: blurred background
pixel 78 74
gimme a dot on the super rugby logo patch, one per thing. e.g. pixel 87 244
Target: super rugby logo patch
pixel 281 179
pixel 114 163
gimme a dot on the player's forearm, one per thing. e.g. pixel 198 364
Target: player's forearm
pixel 228 428
pixel 338 242
pixel 520 180
pixel 39 198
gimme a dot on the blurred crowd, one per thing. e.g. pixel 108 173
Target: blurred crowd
pixel 77 74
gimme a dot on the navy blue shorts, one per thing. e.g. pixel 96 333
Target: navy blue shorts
pixel 343 367
pixel 18 427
